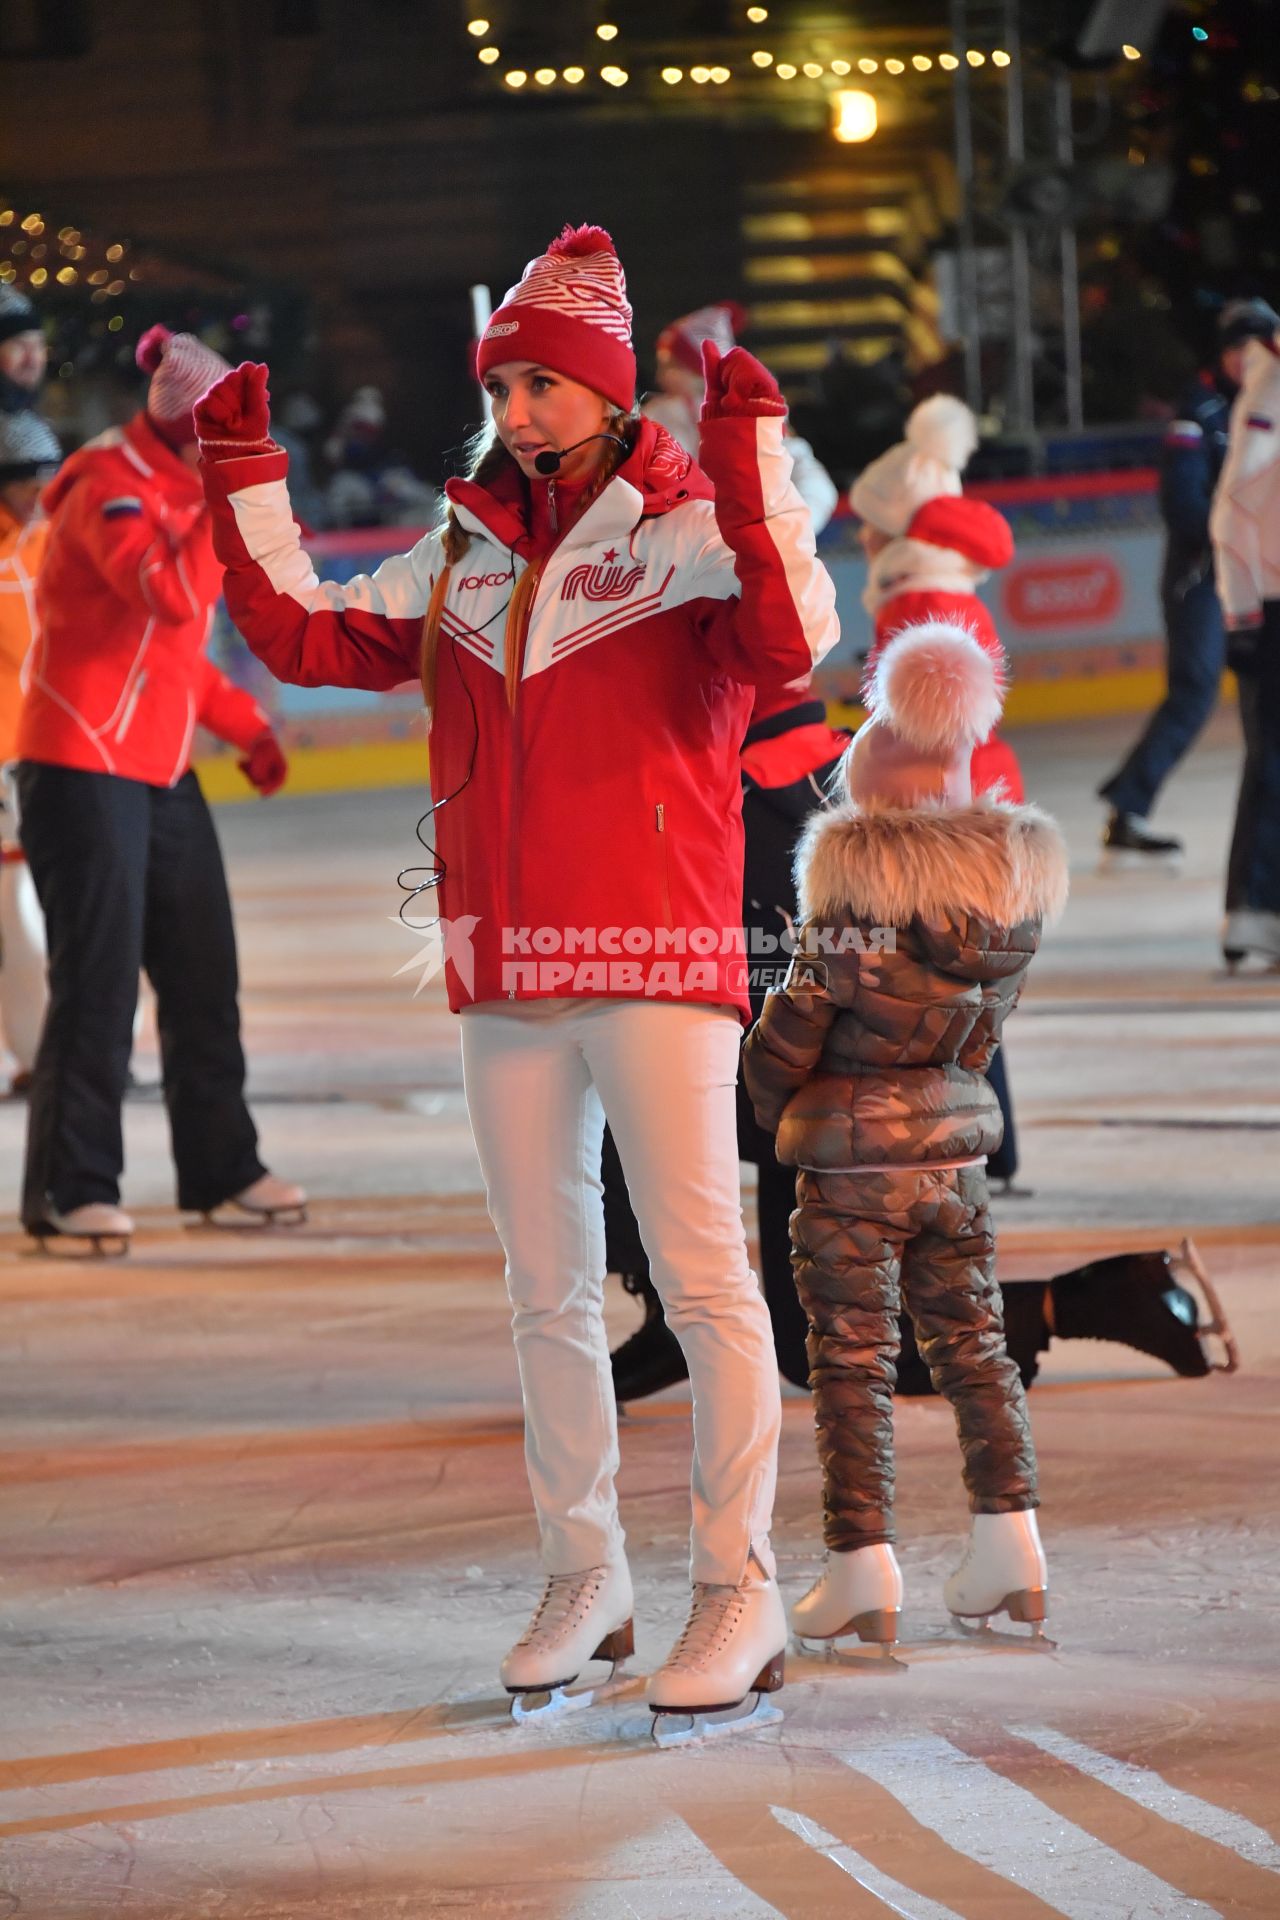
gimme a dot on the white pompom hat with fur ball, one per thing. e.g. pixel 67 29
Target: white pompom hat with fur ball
pixel 940 437
pixel 935 694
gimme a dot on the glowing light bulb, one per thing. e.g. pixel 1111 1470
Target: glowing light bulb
pixel 489 55
pixel 478 27
pixel 841 67
pixel 516 77
pixel 719 75
pixel 921 62
pixel 811 70
pixel 895 66
pixel 606 32
pixel 975 58
pixel 856 117
pixel 545 76
pixel 574 74
pixel 785 71
pixel 1131 53
pixel 949 61
pixel 756 14
pixel 673 76
pixel 999 59
pixel 868 66
pixel 700 75
pixel 762 59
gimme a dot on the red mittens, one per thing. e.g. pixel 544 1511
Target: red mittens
pixel 234 417
pixel 264 766
pixel 738 387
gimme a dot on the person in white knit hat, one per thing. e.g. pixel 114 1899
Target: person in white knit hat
pixel 922 909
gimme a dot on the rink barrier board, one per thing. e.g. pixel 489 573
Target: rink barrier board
pixel 1078 611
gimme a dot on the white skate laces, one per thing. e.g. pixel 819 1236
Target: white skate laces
pixel 712 1621
pixel 566 1601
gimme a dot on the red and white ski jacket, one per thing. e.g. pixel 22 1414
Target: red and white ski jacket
pixel 118 677
pixel 591 828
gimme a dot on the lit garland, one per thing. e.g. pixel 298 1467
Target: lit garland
pixel 35 260
pixel 759 64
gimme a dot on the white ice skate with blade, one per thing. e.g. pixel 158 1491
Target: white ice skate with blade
pixel 1003 1571
pixel 733 1644
pixel 580 1617
pixel 107 1228
pixel 858 1593
pixel 269 1202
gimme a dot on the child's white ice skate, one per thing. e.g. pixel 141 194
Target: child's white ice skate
pixel 107 1229
pixel 734 1643
pixel 857 1593
pixel 580 1617
pixel 1003 1571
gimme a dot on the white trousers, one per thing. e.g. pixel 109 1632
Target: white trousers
pixel 540 1079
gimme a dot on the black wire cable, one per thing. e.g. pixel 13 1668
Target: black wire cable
pixel 436 872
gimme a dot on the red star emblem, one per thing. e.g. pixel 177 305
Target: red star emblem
pixel 611 555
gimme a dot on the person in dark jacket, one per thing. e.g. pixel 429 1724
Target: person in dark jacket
pixel 921 913
pixel 1195 447
pixel 24 353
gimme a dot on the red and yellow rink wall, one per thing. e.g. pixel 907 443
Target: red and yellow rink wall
pixel 1078 611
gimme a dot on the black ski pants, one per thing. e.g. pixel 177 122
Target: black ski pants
pixel 130 876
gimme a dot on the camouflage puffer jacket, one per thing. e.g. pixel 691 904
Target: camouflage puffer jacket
pixel 918 929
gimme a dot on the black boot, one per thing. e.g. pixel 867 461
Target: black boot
pixel 651 1359
pixel 1138 1300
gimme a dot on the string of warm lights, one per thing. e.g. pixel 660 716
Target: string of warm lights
pixel 33 257
pixel 762 61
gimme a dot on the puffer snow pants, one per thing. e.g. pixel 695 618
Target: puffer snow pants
pixel 865 1247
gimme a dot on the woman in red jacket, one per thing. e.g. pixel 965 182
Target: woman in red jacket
pixel 590 624
pixel 119 840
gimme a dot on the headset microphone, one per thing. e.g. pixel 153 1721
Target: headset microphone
pixel 549 463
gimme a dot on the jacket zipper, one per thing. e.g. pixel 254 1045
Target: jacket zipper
pixel 516 757
pixel 126 718
pixel 552 510
pixel 660 813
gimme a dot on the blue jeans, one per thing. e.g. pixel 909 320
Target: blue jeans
pixel 1195 655
pixel 1253 869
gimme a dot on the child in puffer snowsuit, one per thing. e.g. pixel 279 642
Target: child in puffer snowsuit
pixel 921 910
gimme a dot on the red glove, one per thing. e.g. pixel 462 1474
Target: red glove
pixel 264 766
pixel 738 387
pixel 233 418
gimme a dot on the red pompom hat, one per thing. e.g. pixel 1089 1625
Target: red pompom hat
pixel 720 323
pixel 965 526
pixel 569 312
pixel 182 369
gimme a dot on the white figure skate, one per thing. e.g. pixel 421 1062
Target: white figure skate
pixel 1248 931
pixel 734 1643
pixel 269 1202
pixel 1003 1571
pixel 108 1229
pixel 858 1593
pixel 580 1617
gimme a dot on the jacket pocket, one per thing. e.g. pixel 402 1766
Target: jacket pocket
pixel 662 827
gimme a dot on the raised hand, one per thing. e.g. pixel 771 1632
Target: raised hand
pixel 738 387
pixel 234 417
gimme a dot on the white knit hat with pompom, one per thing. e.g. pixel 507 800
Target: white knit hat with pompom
pixel 940 437
pixel 935 694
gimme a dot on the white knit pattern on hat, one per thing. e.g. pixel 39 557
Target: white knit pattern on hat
pixel 707 323
pixel 588 287
pixel 27 440
pixel 188 370
pixel 12 302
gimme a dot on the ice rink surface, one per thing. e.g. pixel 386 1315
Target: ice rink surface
pixel 264 1530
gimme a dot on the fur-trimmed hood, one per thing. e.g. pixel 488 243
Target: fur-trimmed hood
pixel 1003 863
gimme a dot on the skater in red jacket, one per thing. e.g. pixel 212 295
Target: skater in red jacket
pixel 120 843
pixel 590 624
